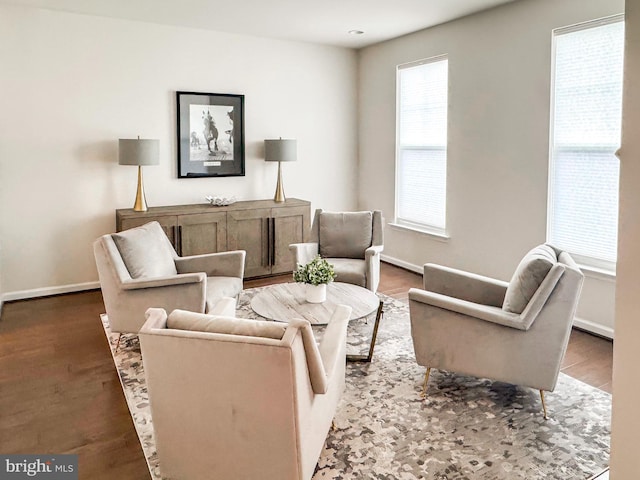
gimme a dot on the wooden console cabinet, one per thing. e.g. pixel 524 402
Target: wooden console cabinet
pixel 263 228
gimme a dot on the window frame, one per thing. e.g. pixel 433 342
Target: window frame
pixel 440 232
pixel 592 264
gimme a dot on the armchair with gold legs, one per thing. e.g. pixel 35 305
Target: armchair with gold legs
pixel 139 268
pixel 515 332
pixel 241 399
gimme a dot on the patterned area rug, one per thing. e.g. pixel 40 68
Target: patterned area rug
pixel 467 428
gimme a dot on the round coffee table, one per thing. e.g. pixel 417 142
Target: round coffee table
pixel 285 301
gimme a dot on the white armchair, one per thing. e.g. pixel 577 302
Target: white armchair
pixel 514 332
pixel 138 269
pixel 350 241
pixel 241 399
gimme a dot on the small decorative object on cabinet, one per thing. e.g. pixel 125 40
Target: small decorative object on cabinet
pixel 220 201
pixel 263 228
pixel 315 275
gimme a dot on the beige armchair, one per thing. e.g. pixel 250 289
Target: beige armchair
pixel 514 332
pixel 241 399
pixel 138 269
pixel 350 241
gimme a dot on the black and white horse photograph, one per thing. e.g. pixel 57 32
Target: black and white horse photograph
pixel 211 128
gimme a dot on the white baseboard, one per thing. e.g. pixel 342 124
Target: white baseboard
pixel 47 291
pixel 580 323
pixel 593 327
pixel 401 263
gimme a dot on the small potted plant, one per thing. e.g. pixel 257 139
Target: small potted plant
pixel 316 275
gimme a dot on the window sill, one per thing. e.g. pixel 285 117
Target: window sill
pixel 598 273
pixel 441 237
pixel 595 268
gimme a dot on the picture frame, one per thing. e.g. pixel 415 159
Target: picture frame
pixel 210 128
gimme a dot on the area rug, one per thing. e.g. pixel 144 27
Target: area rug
pixel 466 429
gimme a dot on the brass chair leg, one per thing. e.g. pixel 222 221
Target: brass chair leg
pixel 118 344
pixel 424 385
pixel 544 405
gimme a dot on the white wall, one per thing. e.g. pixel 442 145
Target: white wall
pixel 499 97
pixel 71 85
pixel 625 462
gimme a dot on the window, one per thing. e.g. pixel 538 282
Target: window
pixel 585 133
pixel 421 155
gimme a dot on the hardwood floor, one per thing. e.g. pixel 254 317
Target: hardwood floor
pixel 60 393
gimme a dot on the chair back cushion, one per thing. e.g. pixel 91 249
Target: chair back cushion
pixel 345 235
pixel 146 251
pixel 531 271
pixel 200 322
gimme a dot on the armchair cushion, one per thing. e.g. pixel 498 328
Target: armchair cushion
pixel 349 270
pixel 529 274
pixel 199 322
pixel 345 235
pixel 218 287
pixel 144 252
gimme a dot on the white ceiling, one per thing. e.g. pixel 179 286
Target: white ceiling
pixel 325 22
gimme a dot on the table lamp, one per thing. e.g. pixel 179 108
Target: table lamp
pixel 281 150
pixel 139 152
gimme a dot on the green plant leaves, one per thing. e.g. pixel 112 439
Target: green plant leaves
pixel 316 272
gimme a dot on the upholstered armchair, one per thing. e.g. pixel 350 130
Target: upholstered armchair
pixel 241 399
pixel 350 241
pixel 515 332
pixel 138 269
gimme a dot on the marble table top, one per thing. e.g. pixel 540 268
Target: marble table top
pixel 285 301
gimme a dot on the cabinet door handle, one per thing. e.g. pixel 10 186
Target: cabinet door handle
pixel 268 259
pixel 273 241
pixel 179 240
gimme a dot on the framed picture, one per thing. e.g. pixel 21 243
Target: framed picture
pixel 210 134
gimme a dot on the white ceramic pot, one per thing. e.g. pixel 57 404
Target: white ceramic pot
pixel 316 293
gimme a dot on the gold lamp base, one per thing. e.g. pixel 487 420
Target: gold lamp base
pixel 279 196
pixel 140 204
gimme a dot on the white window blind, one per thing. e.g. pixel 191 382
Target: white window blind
pixel 421 156
pixel 586 122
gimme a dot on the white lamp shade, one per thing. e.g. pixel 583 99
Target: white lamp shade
pixel 281 150
pixel 138 152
